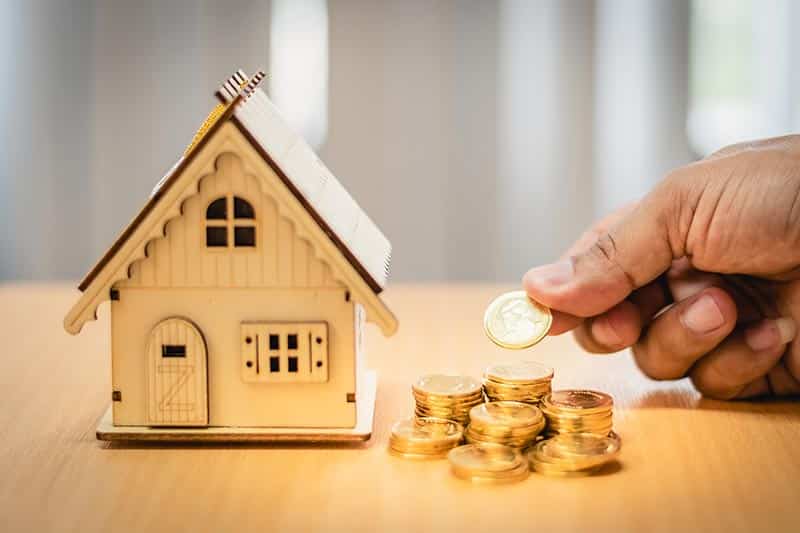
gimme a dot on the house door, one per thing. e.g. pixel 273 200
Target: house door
pixel 177 384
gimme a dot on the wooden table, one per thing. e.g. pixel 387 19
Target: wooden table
pixel 687 463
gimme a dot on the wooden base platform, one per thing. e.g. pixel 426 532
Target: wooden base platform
pixel 365 415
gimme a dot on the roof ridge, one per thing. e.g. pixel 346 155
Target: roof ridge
pixel 239 84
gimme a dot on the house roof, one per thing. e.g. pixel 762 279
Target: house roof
pixel 246 106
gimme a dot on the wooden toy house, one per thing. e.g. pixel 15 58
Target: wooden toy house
pixel 240 291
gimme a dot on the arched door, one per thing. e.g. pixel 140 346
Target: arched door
pixel 177 384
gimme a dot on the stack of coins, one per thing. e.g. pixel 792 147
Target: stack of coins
pixel 449 397
pixel 424 438
pixel 578 411
pixel 514 424
pixel 488 463
pixel 525 381
pixel 573 454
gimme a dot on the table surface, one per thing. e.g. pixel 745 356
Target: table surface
pixel 687 462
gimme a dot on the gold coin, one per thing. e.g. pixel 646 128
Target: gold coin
pixel 537 393
pixel 505 431
pixel 562 423
pixel 519 373
pixel 489 384
pixel 482 480
pixel 554 470
pixel 517 440
pixel 565 421
pixel 573 415
pixel 446 413
pixel 517 474
pixel 418 456
pixel 532 399
pixel 573 452
pixel 583 446
pixel 485 458
pixel 601 430
pixel 583 401
pixel 424 438
pixel 507 414
pixel 515 321
pixel 444 410
pixel 438 401
pixel 423 447
pixel 443 385
pixel 427 430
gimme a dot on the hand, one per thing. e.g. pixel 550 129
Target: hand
pixel 701 277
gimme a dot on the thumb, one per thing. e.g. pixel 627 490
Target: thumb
pixel 635 251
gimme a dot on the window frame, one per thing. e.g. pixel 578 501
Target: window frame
pixel 230 223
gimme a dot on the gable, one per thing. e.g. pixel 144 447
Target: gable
pixel 278 257
pixel 130 263
pixel 335 211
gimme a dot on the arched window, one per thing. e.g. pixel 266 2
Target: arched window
pixel 230 221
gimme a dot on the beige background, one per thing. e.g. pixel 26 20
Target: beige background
pixel 466 128
pixel 481 135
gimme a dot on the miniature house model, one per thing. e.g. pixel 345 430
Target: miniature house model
pixel 240 291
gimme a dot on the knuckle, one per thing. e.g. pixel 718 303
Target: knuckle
pixel 605 248
pixel 605 252
pixel 650 359
pixel 584 338
pixel 678 196
pixel 711 384
pixel 645 363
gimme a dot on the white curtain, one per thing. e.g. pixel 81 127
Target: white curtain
pixel 482 136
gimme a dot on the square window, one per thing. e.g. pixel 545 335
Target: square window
pixel 173 350
pixel 292 364
pixel 216 236
pixel 291 341
pixel 244 236
pixel 274 341
pixel 274 364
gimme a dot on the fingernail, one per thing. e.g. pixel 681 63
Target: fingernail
pixel 548 276
pixel 703 316
pixel 770 334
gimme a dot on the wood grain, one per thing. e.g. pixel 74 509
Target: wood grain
pixel 687 463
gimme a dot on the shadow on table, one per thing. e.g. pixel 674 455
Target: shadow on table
pixel 680 398
pixel 377 437
pixel 160 445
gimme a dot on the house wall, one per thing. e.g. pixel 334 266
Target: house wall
pixel 280 279
pixel 218 314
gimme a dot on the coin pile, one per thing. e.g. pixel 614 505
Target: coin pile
pixel 424 438
pixel 448 397
pixel 578 411
pixel 514 424
pixel 524 381
pixel 573 454
pixel 488 463
pixel 521 404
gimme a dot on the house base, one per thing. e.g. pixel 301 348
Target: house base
pixel 365 414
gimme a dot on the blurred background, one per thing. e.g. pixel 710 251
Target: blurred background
pixel 482 136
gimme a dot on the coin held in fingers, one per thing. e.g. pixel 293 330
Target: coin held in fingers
pixel 513 320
